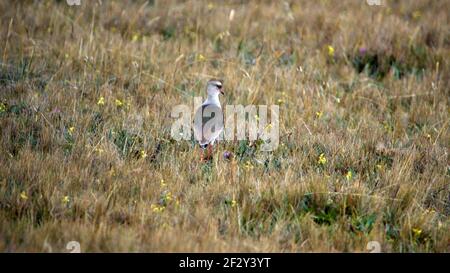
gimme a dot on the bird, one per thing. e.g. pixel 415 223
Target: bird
pixel 208 118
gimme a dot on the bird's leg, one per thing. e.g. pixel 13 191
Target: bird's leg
pixel 209 152
pixel 202 155
pixel 206 154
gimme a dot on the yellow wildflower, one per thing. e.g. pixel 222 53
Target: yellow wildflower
pixel 135 37
pixel 319 114
pixel 268 127
pixel 23 195
pixel 168 196
pixel 330 51
pixel 143 154
pixel 233 203
pixel 163 183
pixel 430 211
pixel 157 208
pixel 71 130
pixel 248 165
pixel 349 175
pixel 2 107
pixel 101 101
pixel 119 103
pixel 66 199
pixel 322 159
pixel 417 232
pixel 201 58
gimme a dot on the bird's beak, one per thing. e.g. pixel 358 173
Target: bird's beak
pixel 221 92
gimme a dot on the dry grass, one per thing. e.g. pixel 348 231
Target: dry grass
pixel 377 108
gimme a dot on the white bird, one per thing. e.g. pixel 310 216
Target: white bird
pixel 208 119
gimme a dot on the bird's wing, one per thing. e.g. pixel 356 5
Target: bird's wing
pixel 208 123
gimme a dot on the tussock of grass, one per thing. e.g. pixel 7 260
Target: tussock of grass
pixel 85 148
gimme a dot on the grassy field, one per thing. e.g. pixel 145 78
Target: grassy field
pixel 86 153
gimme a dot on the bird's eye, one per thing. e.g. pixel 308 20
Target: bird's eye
pixel 219 86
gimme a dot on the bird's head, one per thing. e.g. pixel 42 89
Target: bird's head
pixel 214 87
